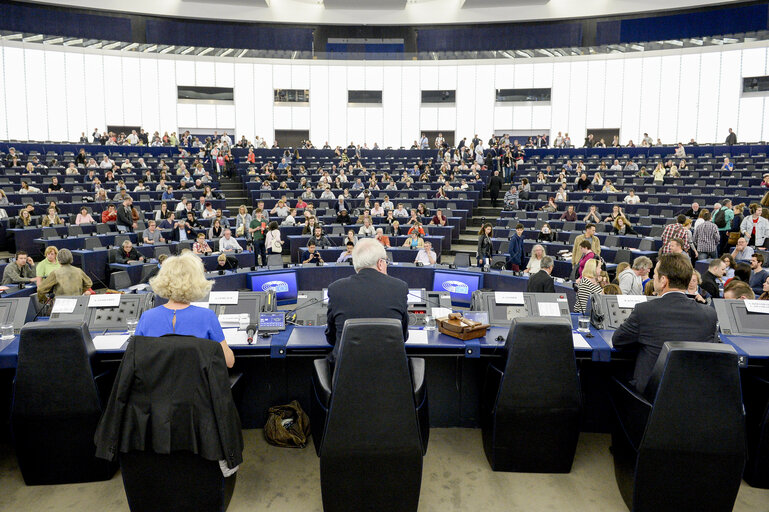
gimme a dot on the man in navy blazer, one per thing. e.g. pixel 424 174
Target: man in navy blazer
pixel 369 293
pixel 671 317
pixel 542 282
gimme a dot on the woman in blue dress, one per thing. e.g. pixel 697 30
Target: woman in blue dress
pixel 181 280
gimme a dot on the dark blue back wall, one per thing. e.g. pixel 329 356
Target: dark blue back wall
pixel 697 24
pixel 39 19
pixel 499 37
pixel 228 35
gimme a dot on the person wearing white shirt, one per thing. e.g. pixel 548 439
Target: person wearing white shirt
pixel 377 211
pixel 426 255
pixel 631 198
pixel 616 166
pixel 106 163
pixel 208 212
pixel 228 244
pixel 133 139
pixel 401 211
pixel 387 204
pixel 290 220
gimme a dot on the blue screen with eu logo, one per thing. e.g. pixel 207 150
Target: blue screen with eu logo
pixel 460 285
pixel 284 284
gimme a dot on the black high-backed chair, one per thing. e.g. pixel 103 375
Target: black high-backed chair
pixel 756 399
pixel 680 445
pixel 369 420
pixel 57 405
pixel 531 403
pixel 170 419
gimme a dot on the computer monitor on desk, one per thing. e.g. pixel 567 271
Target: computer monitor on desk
pixel 609 311
pixel 111 318
pixel 735 319
pixel 17 311
pixel 460 285
pixel 282 283
pixel 503 307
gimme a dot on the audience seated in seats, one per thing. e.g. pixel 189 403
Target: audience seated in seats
pixel 694 291
pixel 128 253
pixel 630 280
pixel 84 217
pixel 313 256
pixel 426 256
pixel 672 317
pixel 758 274
pixel 65 279
pixel 414 241
pixel 738 290
pixel 715 272
pixel 347 253
pixel 621 226
pixel 541 280
pixel 49 263
pixel 152 234
pixel 21 271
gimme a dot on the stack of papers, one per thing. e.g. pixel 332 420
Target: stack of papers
pixel 233 320
pixel 579 341
pixel 417 337
pixel 235 337
pixel 110 341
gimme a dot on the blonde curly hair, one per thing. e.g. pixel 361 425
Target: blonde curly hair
pixel 182 279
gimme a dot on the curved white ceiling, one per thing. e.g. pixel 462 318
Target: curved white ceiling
pixel 385 12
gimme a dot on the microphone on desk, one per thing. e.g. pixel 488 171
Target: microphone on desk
pixel 291 315
pixel 250 331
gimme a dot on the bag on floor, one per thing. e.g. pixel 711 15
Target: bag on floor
pixel 287 426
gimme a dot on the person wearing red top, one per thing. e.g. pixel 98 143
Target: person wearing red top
pixel 251 158
pixel 110 214
pixel 300 204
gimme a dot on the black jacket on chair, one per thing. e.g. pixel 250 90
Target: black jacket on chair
pixel 155 401
pixel 541 282
pixel 672 317
pixel 367 294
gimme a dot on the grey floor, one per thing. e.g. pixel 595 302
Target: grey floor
pixel 456 477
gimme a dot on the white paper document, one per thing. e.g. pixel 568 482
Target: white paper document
pixel 417 337
pixel 235 337
pixel 758 306
pixel 549 309
pixel 233 320
pixel 106 300
pixel 441 312
pixel 223 297
pixel 62 305
pixel 511 298
pixel 110 341
pixel 629 301
pixel 579 341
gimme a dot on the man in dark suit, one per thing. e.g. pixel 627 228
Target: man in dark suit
pixel 541 282
pixel 186 229
pixel 716 270
pixel 495 185
pixel 671 317
pixel 370 293
pixel 125 216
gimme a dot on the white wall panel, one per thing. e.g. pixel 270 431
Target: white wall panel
pixel 225 119
pixel 37 111
pixel 410 100
pixel 392 133
pixel 710 85
pixel 522 117
pixel 225 74
pixel 3 117
pixel 132 92
pixel 281 76
pixel 319 114
pixel 729 93
pixel 688 99
pixel 503 76
pixel 187 115
pixel 669 94
pixel 56 96
pixel 447 118
pixel 300 76
pixel 94 93
pixel 206 116
pixel 337 105
pixel 113 87
pixel 447 78
pixel 428 118
pixel 167 97
pixel 543 75
pixel 374 121
pixel 751 119
pixel 185 72
pixel 300 118
pixel 205 73
pixel 15 93
pixel 428 78
pixel 356 77
pixel 282 118
pixel 596 92
pixel 650 94
pixel 578 91
pixel 148 71
pixel 374 80
pixel 612 111
pixel 524 76
pixel 263 100
pixel 484 102
pixel 503 118
pixel 631 102
pixel 559 99
pixel 356 125
pixel 540 118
